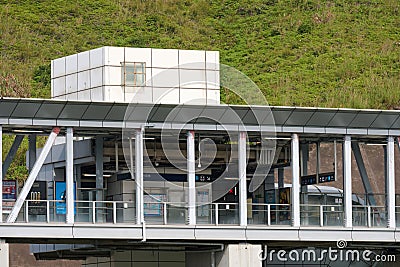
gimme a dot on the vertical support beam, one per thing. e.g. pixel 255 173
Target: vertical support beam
pixel 99 168
pixel 11 153
pixel 281 177
pixel 390 184
pixel 1 173
pixel 304 157
pixel 32 150
pixel 242 158
pixel 191 177
pixel 139 175
pixel 116 156
pixel 32 175
pixel 348 205
pixel 69 175
pixel 295 181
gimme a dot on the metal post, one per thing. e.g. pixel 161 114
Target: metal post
pixel 32 150
pixel 47 211
pixel 165 212
pixel 69 175
pixel 114 212
pixel 321 215
pixel 32 175
pixel 139 175
pixel 348 206
pixel 242 178
pixel 269 214
pixel 304 157
pixel 295 181
pixel 216 213
pixel 116 156
pixel 191 177
pixel 390 184
pixel 27 211
pixel 94 212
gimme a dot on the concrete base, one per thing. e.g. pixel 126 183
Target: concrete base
pixel 4 254
pixel 243 255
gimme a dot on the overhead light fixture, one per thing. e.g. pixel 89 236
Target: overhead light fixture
pixel 94 175
pixel 27 131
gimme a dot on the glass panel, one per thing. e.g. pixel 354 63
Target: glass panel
pixel 126 212
pixel 228 213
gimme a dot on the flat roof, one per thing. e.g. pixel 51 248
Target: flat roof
pixel 35 113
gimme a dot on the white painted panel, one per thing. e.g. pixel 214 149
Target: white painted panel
pixel 96 94
pixel 84 95
pixel 212 79
pixel 165 95
pixel 138 94
pixel 164 58
pixel 83 61
pixel 192 78
pixel 73 96
pixel 192 59
pixel 96 77
pixel 113 55
pixel 114 93
pixel 58 67
pixel 96 58
pixel 58 86
pixel 165 78
pixel 71 64
pixel 213 97
pixel 71 83
pixel 138 55
pixel 83 80
pixel 212 59
pixel 112 75
pixel 193 96
pixel 52 88
pixel 62 97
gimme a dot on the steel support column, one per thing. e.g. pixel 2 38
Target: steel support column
pixel 32 150
pixel 139 176
pixel 348 206
pixel 191 177
pixel 32 175
pixel 242 158
pixel 295 181
pixel 11 153
pixel 99 168
pixel 69 175
pixel 390 184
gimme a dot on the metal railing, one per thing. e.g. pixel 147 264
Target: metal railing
pixel 321 215
pixel 370 216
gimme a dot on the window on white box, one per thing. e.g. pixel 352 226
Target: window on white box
pixel 134 74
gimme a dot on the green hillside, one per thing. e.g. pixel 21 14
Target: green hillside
pixel 305 53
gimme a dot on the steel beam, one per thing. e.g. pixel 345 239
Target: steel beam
pixel 69 175
pixel 390 184
pixel 295 181
pixel 191 177
pixel 139 176
pixel 32 175
pixel 348 205
pixel 363 173
pixel 242 158
pixel 11 153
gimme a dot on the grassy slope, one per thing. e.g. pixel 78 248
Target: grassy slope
pixel 306 53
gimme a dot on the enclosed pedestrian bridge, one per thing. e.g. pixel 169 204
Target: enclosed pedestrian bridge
pixel 119 171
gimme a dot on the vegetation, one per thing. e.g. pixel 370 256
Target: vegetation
pixel 343 53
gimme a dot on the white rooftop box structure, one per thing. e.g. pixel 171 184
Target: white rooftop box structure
pixel 139 75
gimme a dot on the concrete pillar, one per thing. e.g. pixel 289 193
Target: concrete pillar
pixel 243 255
pixel 4 254
pixel 139 175
pixel 242 178
pixel 348 205
pixel 390 184
pixel 295 181
pixel 69 175
pixel 191 177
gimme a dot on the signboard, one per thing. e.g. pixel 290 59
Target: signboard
pixel 322 178
pixel 152 204
pixel 38 192
pixel 9 194
pixel 60 194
